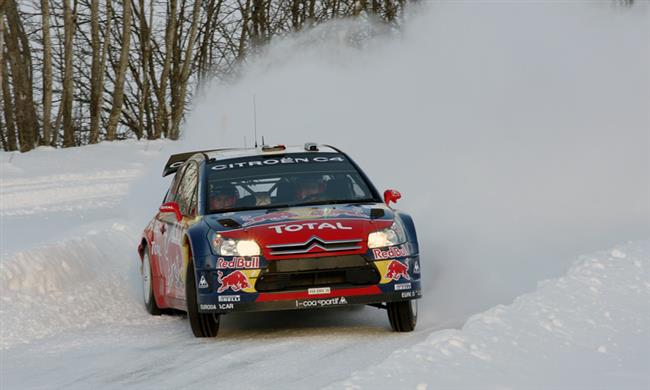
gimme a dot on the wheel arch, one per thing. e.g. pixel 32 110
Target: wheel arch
pixel 409 228
pixel 144 243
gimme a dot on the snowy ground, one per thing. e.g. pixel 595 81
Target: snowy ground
pixel 71 312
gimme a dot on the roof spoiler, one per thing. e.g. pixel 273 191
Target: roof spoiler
pixel 177 160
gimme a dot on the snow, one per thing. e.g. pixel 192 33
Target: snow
pixel 71 310
pixel 589 328
pixel 514 156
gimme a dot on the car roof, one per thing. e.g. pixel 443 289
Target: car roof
pixel 177 160
pixel 271 150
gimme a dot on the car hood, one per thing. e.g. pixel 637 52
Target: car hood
pixel 309 231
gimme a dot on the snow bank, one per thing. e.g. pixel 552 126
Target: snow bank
pixel 69 228
pixel 72 284
pixel 588 329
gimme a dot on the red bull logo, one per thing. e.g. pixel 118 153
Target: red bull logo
pixel 393 251
pixel 239 262
pixel 235 281
pixel 397 270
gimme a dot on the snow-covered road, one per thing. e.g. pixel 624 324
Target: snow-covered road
pixel 71 305
pixel 71 312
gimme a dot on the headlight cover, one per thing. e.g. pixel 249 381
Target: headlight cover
pixel 224 246
pixel 394 235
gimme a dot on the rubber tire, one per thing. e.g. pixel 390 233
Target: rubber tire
pixel 151 306
pixel 403 316
pixel 202 324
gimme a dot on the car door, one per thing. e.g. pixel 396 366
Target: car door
pixel 160 244
pixel 174 263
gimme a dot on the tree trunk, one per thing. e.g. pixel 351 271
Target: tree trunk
pixel 161 91
pixel 19 58
pixel 245 15
pixel 68 28
pixel 180 90
pixel 207 39
pixel 118 94
pixel 47 74
pixel 11 142
pixel 145 48
pixel 312 13
pixel 96 89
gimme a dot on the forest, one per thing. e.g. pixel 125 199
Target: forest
pixel 77 72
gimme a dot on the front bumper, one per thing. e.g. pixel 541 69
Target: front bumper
pixel 229 285
pixel 297 300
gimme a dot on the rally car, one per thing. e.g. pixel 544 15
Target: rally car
pixel 276 228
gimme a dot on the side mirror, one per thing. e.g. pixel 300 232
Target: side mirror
pixel 171 207
pixel 391 196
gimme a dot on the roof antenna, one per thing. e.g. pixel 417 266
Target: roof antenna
pixel 255 121
pixel 263 143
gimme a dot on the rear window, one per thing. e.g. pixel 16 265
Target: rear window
pixel 281 181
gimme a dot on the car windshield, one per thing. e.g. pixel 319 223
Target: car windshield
pixel 281 181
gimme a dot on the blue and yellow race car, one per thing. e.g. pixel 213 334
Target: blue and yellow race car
pixel 276 228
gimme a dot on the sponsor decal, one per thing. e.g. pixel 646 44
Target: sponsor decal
pixel 319 291
pixel 239 262
pixel 397 270
pixel 229 298
pixel 203 283
pixel 302 213
pixel 276 161
pixel 412 294
pixel 155 249
pixel 392 252
pixel 402 286
pixel 322 302
pixel 226 306
pixel 416 267
pixel 234 281
pixel 310 226
pixel 207 307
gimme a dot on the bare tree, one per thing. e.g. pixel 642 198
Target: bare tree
pixel 69 27
pixel 47 73
pixel 144 117
pixel 10 136
pixel 118 94
pixel 99 52
pixel 161 89
pixel 61 56
pixel 18 54
pixel 179 87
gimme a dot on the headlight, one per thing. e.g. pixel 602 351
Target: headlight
pixel 224 246
pixel 394 235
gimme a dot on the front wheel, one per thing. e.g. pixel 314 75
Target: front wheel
pixel 203 324
pixel 403 315
pixel 147 285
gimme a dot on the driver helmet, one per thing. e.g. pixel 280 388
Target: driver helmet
pixel 222 197
pixel 309 186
